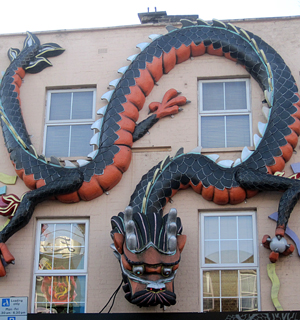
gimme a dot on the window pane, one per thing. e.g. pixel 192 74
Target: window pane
pixel 238 131
pixel 211 305
pixel 80 140
pixel 211 283
pixel 246 251
pixel 82 105
pixel 231 304
pixel 248 283
pixel 249 304
pixel 213 132
pixel 228 227
pixel 235 95
pixel 229 283
pixel 229 251
pixel 57 141
pixel 245 227
pixel 213 96
pixel 60 294
pixel 211 228
pixel 60 106
pixel 211 251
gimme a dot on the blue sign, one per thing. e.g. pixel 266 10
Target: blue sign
pixel 13 308
pixel 5 302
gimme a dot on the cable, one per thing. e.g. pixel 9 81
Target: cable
pixel 112 296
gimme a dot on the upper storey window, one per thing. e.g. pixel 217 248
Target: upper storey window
pixel 224 117
pixel 70 114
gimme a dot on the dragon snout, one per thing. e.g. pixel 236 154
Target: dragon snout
pixel 156 287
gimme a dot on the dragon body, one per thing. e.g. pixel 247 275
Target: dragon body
pixel 117 130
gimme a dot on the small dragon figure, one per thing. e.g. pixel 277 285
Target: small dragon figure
pixel 117 130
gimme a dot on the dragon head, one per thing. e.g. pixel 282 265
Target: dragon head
pixel 148 248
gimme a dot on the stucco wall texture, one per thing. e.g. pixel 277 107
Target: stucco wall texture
pixel 91 59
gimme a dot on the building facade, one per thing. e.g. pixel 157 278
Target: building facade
pixel 223 265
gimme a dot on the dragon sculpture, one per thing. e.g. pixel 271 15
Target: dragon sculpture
pixel 146 243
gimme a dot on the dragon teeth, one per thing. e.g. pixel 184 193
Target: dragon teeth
pixel 101 111
pixel 97 124
pixel 92 154
pixel 197 150
pixel 237 162
pixel 95 139
pixel 268 97
pixel 132 58
pixel 107 96
pixel 123 70
pixel 82 162
pixel 257 140
pixel 115 82
pixel 213 157
pixel 69 164
pixel 142 45
pixel 154 36
pixel 226 163
pixel 261 128
pixel 266 112
pixel 246 153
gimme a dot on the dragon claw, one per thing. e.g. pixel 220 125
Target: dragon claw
pixel 277 245
pixel 170 104
pixel 6 258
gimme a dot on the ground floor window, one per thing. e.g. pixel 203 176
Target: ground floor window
pixel 229 265
pixel 60 267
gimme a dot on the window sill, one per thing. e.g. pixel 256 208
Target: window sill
pixel 223 150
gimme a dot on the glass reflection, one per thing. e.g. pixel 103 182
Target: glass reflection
pixel 62 246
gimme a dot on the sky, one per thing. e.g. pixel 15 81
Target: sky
pixel 37 15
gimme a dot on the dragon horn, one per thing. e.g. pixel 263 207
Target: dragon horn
pixel 172 230
pixel 131 240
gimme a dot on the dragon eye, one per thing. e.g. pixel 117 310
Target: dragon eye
pixel 138 270
pixel 166 271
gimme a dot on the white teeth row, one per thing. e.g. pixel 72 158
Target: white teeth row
pixel 115 82
pixel 107 95
pixel 132 58
pixel 142 46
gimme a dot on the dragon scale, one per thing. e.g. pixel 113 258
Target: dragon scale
pixel 118 129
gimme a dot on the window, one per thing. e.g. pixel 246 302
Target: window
pixel 224 118
pixel 60 267
pixel 229 266
pixel 69 116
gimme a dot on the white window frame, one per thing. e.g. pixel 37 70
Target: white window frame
pixel 48 122
pixel 203 113
pixel 230 266
pixel 61 272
